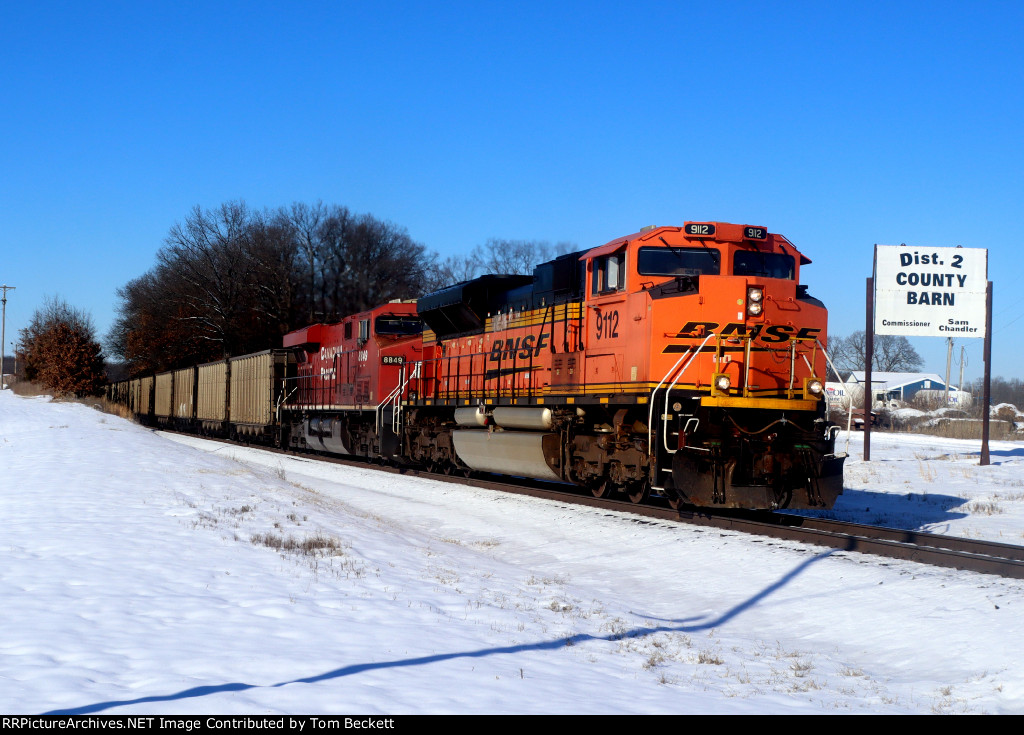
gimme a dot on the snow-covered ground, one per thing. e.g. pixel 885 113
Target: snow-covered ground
pixel 144 573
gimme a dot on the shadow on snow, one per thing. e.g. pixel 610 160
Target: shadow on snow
pixel 685 625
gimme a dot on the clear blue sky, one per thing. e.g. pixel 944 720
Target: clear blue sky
pixel 840 127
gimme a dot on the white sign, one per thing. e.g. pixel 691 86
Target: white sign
pixel 930 292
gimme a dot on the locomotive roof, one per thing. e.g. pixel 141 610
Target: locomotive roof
pixel 730 235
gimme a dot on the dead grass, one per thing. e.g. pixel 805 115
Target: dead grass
pixel 984 507
pixel 318 545
pixel 116 409
pixel 31 390
pixel 926 470
pixel 709 657
pixel 967 429
pixel 27 389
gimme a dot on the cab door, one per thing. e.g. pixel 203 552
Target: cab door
pixel 607 322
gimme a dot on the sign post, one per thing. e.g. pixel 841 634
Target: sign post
pixel 869 350
pixel 934 292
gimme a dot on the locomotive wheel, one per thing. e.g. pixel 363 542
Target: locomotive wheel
pixel 602 488
pixel 638 492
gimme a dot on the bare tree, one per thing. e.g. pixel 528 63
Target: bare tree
pixel 892 353
pixel 207 255
pixel 514 256
pixel 517 257
pixel 307 222
pixel 274 282
pixel 442 273
pixel 150 333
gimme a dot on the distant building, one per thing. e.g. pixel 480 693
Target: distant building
pixel 887 387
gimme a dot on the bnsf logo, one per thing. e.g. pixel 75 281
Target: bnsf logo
pixel 769 334
pixel 520 348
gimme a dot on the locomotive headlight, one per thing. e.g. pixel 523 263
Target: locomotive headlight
pixel 755 297
pixel 813 388
pixel 722 383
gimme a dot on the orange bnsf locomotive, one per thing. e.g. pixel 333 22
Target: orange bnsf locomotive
pixel 685 361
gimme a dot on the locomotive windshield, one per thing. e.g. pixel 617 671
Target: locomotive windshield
pixel 678 262
pixel 763 265
pixel 398 325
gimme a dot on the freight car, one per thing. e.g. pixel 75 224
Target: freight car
pixel 238 397
pixel 685 361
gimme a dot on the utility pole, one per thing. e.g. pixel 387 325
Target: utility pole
pixel 949 358
pixel 963 362
pixel 3 330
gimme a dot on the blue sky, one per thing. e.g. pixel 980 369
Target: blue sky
pixel 838 126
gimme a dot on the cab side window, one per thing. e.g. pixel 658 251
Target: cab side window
pixel 609 273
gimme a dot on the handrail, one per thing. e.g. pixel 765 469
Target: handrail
pixel 668 392
pixel 671 371
pixel 394 397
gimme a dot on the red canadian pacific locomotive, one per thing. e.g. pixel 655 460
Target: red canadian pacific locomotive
pixel 684 361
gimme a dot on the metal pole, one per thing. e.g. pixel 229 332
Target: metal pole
pixel 869 352
pixel 949 362
pixel 3 330
pixel 987 390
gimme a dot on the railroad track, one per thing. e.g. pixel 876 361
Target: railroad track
pixel 986 557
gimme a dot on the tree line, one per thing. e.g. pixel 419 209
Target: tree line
pixel 233 280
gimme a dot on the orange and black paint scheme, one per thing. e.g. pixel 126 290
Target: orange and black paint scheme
pixel 688 362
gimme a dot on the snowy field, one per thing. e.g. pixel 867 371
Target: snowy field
pixel 145 573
